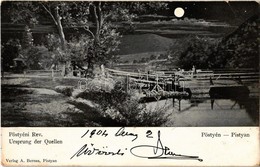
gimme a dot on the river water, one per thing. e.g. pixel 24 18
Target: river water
pixel 200 112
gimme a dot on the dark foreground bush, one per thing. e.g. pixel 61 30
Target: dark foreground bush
pixel 125 109
pixel 66 90
pixel 136 114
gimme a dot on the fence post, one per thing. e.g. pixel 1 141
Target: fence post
pixel 173 83
pixel 210 81
pixel 183 85
pixel 127 83
pixel 157 79
pixel 147 79
pixel 212 103
pixel 52 74
pixel 179 104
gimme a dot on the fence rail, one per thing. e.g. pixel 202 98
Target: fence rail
pixel 165 76
pixel 188 75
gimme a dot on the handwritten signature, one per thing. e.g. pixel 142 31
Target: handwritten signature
pixel 159 152
pixel 91 150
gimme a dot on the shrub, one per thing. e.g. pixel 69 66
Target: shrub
pixel 125 109
pixel 66 90
pixel 9 51
pixel 37 57
pixel 136 114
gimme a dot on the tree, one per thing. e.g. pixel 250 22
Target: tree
pixel 27 37
pixel 97 18
pixel 197 53
pixel 237 50
pixel 31 13
pixel 58 13
pixel 240 49
pixel 194 50
pixel 105 37
pixel 10 51
pixel 37 57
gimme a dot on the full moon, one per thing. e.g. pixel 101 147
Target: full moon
pixel 179 12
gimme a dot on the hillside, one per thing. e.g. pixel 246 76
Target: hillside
pixel 133 44
pixel 240 48
pixel 237 50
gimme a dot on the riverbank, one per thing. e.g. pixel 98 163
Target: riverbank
pixel 33 102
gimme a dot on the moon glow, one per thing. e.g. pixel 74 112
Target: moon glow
pixel 178 12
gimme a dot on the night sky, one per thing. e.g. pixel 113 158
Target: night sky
pixel 231 12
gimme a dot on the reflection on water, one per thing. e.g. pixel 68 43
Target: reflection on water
pixel 212 112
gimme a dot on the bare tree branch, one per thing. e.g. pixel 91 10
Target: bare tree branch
pixel 48 11
pixel 97 23
pixel 93 36
pixel 100 19
pixel 60 28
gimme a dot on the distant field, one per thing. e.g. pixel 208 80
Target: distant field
pixel 133 44
pixel 138 47
pixel 139 56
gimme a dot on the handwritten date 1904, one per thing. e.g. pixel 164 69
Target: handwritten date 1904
pixel 95 132
pixel 159 151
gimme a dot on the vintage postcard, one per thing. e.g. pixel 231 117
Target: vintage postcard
pixel 130 83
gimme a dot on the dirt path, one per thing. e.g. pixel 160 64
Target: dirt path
pixel 33 107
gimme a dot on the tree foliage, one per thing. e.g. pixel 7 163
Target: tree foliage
pixel 198 53
pixel 27 37
pixel 9 51
pixel 237 50
pixel 96 18
pixel 194 51
pixel 241 48
pixel 37 57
